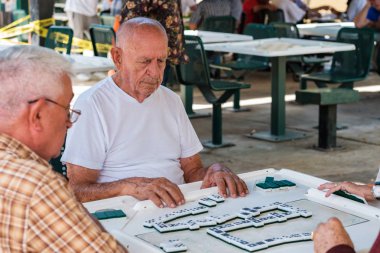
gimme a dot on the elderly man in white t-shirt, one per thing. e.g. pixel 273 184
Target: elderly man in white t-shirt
pixel 134 137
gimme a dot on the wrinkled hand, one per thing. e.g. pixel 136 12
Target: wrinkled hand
pixel 330 234
pixel 360 190
pixel 221 176
pixel 160 191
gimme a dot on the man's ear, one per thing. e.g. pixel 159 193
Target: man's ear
pixel 116 56
pixel 36 115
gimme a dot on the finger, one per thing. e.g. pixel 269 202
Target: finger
pixel 205 184
pixel 332 190
pixel 165 197
pixel 240 187
pixel 221 186
pixel 156 200
pixel 231 185
pixel 326 186
pixel 175 193
pixel 244 186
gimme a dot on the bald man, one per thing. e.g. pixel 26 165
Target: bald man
pixel 134 137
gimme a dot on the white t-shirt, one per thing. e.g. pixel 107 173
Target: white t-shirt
pixel 292 12
pixel 124 138
pixel 84 7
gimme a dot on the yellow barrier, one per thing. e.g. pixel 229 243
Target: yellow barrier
pixel 15 23
pixel 39 27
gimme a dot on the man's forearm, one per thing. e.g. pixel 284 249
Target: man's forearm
pixel 196 175
pixel 361 19
pixel 95 191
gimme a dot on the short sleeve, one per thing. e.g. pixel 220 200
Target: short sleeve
pixel 86 139
pixel 190 144
pixel 373 14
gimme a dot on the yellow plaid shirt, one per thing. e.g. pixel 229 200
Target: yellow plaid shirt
pixel 38 212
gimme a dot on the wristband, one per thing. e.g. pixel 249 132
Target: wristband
pixel 376 191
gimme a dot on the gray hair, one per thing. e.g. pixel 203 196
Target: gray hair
pixel 27 73
pixel 128 28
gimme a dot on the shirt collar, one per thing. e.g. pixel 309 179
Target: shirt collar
pixel 18 149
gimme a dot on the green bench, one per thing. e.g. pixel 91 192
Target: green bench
pixel 327 99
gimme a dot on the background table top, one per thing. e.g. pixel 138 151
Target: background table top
pixel 275 47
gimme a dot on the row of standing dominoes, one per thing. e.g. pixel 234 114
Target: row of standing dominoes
pixel 175 215
pixel 209 201
pixel 191 224
pixel 247 212
pixel 259 221
pixel 222 235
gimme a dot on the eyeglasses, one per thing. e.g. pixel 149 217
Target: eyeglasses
pixel 72 115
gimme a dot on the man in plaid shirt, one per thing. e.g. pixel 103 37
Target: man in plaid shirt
pixel 38 212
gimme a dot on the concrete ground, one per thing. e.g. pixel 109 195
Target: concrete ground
pixel 356 160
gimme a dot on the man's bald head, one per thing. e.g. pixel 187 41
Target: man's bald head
pixel 129 28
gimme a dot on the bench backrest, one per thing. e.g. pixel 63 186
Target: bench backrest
pixel 354 63
pixel 59 38
pixel 102 39
pixel 224 24
pixel 196 71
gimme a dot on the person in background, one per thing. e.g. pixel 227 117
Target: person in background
pixel 236 10
pixel 251 8
pixel 81 14
pixel 209 8
pixel 366 191
pixel 353 9
pixel 292 13
pixel 188 6
pixel 141 141
pixel 106 7
pixel 331 237
pixel 116 6
pixel 168 13
pixel 39 213
pixel 369 15
pixel 313 13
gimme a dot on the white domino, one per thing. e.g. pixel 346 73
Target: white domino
pixel 293 238
pixel 245 215
pixel 290 215
pixel 149 223
pixel 256 222
pixel 173 246
pixel 162 227
pixel 206 222
pixel 256 246
pixel 280 217
pixel 216 232
pixel 253 211
pixel 207 202
pixel 274 241
pixel 216 197
pixel 193 225
pixel 198 210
